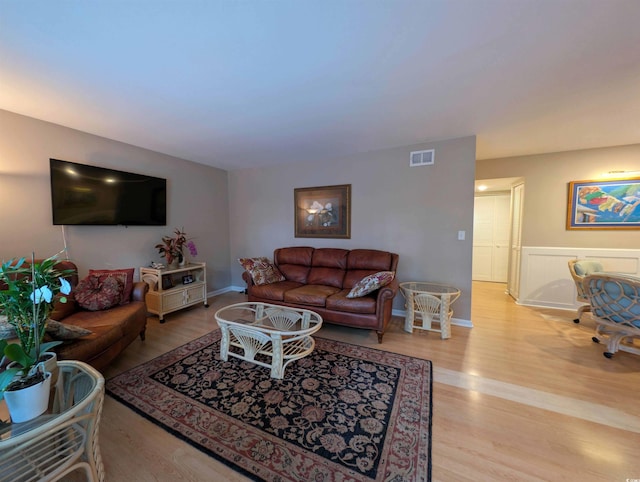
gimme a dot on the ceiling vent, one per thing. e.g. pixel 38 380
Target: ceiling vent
pixel 422 158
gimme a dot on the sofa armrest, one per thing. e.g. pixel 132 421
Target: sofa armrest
pixel 386 294
pixel 140 289
pixel 389 291
pixel 246 276
pixel 62 310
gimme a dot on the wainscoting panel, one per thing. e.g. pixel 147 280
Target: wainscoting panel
pixel 545 280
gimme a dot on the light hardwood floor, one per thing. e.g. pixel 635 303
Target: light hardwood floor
pixel 525 395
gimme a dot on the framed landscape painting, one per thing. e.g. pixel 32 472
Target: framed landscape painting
pixel 322 212
pixel 610 204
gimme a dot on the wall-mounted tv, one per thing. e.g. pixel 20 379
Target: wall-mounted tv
pixel 90 195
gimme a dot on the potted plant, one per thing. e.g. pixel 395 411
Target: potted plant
pixel 172 248
pixel 27 296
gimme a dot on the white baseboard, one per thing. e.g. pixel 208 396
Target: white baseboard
pixel 400 313
pixel 226 290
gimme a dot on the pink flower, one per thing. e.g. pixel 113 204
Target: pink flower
pixel 192 248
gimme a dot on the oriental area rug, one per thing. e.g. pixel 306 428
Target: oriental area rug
pixel 344 413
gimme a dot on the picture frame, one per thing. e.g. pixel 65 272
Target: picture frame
pixel 167 282
pixel 187 279
pixel 604 204
pixel 322 212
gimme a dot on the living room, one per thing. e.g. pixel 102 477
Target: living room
pixel 248 211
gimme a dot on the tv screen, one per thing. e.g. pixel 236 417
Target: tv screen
pixel 90 195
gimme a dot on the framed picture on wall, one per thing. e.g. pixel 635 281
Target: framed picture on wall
pixel 604 204
pixel 322 212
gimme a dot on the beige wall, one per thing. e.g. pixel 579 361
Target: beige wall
pixel 413 211
pixel 197 200
pixel 546 190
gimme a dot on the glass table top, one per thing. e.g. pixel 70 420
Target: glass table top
pixel 428 287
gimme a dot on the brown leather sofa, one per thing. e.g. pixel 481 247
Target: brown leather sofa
pixel 113 329
pixel 319 279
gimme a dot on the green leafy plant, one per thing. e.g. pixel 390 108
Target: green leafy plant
pixel 173 247
pixel 27 297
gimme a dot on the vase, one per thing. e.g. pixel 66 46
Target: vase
pixel 182 261
pixel 27 403
pixel 50 360
pixel 173 264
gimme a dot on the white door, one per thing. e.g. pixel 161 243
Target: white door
pixel 517 198
pixel 491 238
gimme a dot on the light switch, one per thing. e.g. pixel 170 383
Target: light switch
pixel 461 235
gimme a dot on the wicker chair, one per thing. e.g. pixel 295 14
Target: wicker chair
pixel 579 269
pixel 615 307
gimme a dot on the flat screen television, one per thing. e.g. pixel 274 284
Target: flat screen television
pixel 90 195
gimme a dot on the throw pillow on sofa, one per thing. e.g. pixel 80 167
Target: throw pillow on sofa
pixel 261 270
pixel 63 331
pixel 95 293
pixel 371 283
pixel 125 275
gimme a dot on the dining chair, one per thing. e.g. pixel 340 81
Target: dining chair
pixel 579 268
pixel 615 308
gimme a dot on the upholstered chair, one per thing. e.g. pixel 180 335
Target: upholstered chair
pixel 579 269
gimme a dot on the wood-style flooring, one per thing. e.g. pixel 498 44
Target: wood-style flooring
pixel 525 395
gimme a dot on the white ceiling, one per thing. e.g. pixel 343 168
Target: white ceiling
pixel 241 83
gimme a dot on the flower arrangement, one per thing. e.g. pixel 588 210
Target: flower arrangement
pixel 172 247
pixel 26 298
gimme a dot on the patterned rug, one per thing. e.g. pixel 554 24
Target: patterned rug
pixel 344 413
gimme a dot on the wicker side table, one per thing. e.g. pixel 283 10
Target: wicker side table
pixel 63 439
pixel 431 302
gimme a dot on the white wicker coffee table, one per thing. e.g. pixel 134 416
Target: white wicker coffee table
pixel 280 333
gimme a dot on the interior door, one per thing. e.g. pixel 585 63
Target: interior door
pixel 491 238
pixel 517 198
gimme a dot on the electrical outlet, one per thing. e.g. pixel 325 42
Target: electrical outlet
pixel 461 235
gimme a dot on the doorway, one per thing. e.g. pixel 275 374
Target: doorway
pixel 496 231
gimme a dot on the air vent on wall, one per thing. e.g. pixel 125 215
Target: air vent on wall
pixel 422 158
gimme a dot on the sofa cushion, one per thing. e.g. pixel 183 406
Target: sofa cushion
pixel 274 291
pixel 369 259
pixel 326 276
pixel 294 263
pixel 330 258
pixel 371 283
pixel 328 266
pixel 315 295
pixel 112 329
pixel 96 293
pixel 105 334
pixel 300 255
pixel 125 275
pixel 121 318
pixel 261 270
pixel 340 302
